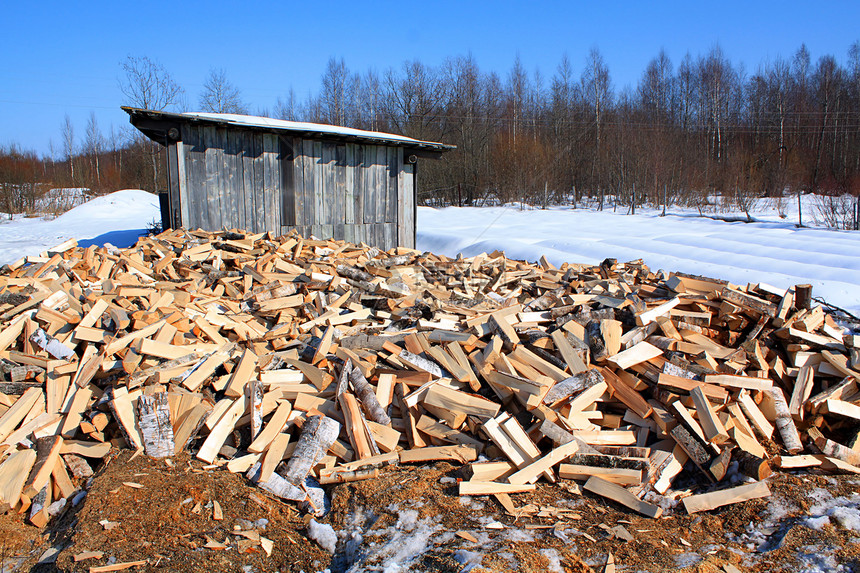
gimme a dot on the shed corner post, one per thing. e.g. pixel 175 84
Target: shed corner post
pixel 415 204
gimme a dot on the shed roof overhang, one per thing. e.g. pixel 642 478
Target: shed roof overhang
pixel 164 127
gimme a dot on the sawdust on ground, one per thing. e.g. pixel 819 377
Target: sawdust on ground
pixel 168 521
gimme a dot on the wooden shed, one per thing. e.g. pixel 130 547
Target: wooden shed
pixel 261 174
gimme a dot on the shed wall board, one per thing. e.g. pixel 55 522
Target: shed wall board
pixel 247 159
pixel 182 187
pixel 259 188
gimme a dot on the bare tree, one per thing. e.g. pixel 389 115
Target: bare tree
pixel 655 88
pixel 93 147
pixel 338 92
pixel 415 99
pixel 148 85
pixel 287 108
pixel 597 91
pixel 220 95
pixel 68 135
pixel 369 100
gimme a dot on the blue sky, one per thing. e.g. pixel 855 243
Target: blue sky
pixel 60 58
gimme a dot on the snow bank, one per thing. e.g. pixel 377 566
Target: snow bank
pixel 119 218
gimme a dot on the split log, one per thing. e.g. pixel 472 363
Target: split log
pixel 47 452
pixel 123 412
pixel 532 471
pixel 720 464
pixel 608 462
pixel 835 449
pixel 618 476
pixel 752 466
pixel 78 466
pixel 348 477
pixel 255 394
pixel 13 474
pixel 708 501
pixel 190 424
pixel 39 508
pixel 459 453
pixel 802 296
pixel 276 484
pixel 620 495
pixel 353 273
pixel 212 445
pixel 594 339
pixel 691 446
pixel 492 488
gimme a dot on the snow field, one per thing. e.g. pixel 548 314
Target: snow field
pixel 769 251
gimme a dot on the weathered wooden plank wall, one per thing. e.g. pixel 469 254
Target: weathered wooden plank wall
pixel 227 178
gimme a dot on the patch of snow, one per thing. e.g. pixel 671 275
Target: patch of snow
pixel 483 537
pixel 818 559
pixel 755 536
pixel 509 557
pixel 323 534
pixel 469 501
pixel 407 519
pixel 554 559
pixel 778 508
pixel 845 511
pixel 399 549
pixel 469 559
pixel 519 535
pixel 687 560
pixel 300 126
pixel 818 523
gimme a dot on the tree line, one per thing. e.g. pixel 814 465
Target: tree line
pixel 687 130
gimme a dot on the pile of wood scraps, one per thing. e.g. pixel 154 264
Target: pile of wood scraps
pixel 303 362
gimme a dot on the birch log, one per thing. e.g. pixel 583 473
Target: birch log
pixel 784 422
pixel 318 434
pixel 51 345
pixel 256 394
pixel 153 418
pixel 367 397
pixel 276 484
pixel 573 385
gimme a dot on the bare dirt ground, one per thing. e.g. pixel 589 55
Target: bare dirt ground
pixel 410 519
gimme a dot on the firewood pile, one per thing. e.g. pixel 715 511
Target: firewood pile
pixel 305 362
